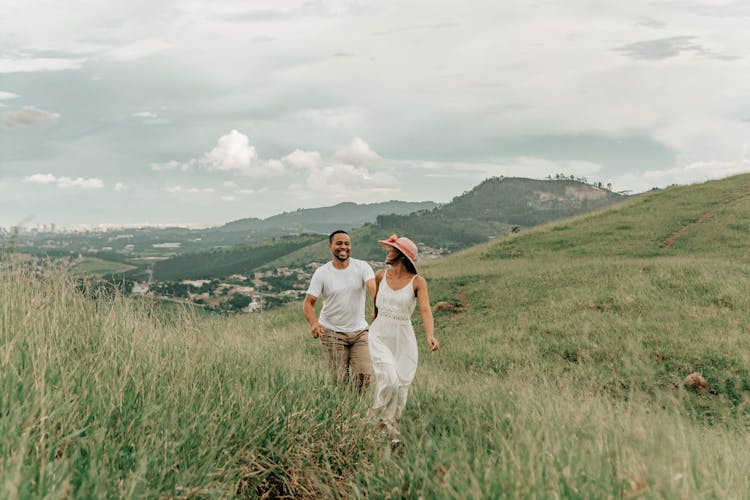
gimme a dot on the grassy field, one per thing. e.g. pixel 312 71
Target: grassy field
pixel 560 375
pixel 91 266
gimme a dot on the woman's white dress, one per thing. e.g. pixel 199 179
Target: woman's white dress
pixel 393 349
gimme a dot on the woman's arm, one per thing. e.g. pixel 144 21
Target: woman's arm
pixel 423 297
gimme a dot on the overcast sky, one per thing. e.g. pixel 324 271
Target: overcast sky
pixel 202 112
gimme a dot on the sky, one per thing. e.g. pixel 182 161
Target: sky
pixel 199 112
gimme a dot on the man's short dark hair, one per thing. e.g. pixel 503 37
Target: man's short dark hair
pixel 338 231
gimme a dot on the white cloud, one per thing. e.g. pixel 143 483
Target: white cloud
pixel 269 169
pixel 246 192
pixel 28 116
pixel 151 118
pixel 79 182
pixel 702 137
pixel 522 166
pixel 8 95
pixel 172 165
pixel 349 181
pixel 525 166
pixel 468 81
pixel 137 50
pixel 190 191
pixel 230 184
pixel 230 198
pixel 540 167
pixel 33 64
pixel 119 186
pixel 303 159
pixel 341 118
pixel 232 152
pixel 41 179
pixel 65 182
pixel 358 153
pixel 158 121
pixel 683 174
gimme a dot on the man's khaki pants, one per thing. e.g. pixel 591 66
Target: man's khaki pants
pixel 348 355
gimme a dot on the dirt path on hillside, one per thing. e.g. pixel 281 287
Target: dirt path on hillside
pixel 669 241
pixel 453 308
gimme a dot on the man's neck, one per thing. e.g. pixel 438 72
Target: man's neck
pixel 340 264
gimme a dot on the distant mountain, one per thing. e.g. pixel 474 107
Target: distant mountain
pixel 493 208
pixel 323 220
pixel 260 241
pixel 529 202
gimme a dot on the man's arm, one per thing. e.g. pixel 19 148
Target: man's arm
pixel 374 292
pixel 308 307
pixel 371 288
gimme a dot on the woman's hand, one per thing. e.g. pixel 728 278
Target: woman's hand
pixel 434 344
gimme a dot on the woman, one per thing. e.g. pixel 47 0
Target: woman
pixel 393 347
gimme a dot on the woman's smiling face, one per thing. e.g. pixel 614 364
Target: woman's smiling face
pixel 391 255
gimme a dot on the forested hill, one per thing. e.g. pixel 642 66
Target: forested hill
pixel 323 220
pixel 529 202
pixel 495 207
pixel 222 262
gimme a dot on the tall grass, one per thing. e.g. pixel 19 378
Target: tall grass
pixel 560 376
pixel 108 397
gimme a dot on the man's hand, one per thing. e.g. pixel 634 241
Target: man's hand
pixel 308 307
pixel 317 330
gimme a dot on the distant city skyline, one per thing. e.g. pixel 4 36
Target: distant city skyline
pixel 190 112
pixel 54 228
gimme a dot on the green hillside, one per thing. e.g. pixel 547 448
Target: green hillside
pixel 494 207
pixel 567 369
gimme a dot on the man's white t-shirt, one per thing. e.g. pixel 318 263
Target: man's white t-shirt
pixel 343 293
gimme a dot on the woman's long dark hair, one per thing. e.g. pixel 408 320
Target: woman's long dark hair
pixel 406 261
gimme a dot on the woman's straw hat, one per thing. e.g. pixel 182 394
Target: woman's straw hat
pixel 404 245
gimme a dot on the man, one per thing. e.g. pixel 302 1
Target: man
pixel 342 327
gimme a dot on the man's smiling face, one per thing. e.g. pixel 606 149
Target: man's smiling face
pixel 340 247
